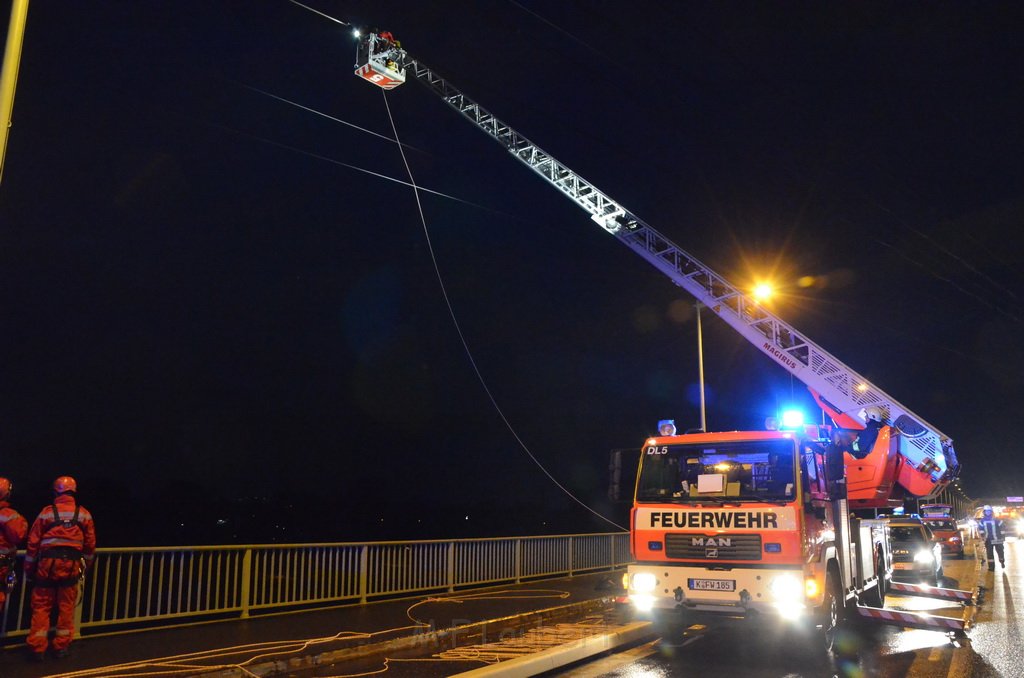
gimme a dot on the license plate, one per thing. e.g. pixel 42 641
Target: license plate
pixel 712 584
pixel 903 566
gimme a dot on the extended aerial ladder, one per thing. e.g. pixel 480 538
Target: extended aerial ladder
pixel 925 460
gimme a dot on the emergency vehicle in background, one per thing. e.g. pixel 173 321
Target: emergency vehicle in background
pixel 936 511
pixel 759 524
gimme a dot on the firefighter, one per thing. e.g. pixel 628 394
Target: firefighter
pixel 61 545
pixel 12 532
pixel 667 427
pixel 865 440
pixel 991 529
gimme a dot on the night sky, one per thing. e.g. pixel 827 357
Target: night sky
pixel 211 313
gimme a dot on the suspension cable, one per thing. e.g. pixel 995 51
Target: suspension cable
pixel 462 338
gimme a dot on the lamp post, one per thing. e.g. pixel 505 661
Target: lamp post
pixel 762 292
pixel 9 72
pixel 700 369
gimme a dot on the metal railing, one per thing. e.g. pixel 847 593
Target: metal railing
pixel 159 587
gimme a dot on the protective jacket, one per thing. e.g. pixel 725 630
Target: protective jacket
pixel 991 530
pixel 62 536
pixel 865 440
pixel 13 528
pixel 12 532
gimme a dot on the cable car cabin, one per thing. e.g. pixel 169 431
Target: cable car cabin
pixel 381 61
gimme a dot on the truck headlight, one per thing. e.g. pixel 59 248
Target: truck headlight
pixel 787 587
pixel 644 582
pixel 924 557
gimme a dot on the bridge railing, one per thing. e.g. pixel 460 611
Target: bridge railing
pixel 157 587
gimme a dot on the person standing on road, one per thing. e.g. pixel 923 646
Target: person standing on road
pixel 12 532
pixel 991 529
pixel 60 548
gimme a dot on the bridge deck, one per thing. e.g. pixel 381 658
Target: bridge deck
pixel 352 625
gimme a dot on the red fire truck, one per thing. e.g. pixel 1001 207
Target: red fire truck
pixel 759 524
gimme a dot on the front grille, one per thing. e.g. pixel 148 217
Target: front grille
pixel 713 547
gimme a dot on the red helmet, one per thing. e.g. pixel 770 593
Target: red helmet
pixel 65 484
pixel 5 488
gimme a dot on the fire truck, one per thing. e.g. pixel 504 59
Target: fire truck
pixel 773 525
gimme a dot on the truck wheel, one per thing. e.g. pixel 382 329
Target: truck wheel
pixel 876 597
pixel 826 618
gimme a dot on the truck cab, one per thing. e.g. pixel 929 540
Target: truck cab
pixel 745 525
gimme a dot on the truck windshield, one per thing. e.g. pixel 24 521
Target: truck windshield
pixel 911 534
pixel 744 470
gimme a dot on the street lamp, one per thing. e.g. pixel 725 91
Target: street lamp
pixel 763 292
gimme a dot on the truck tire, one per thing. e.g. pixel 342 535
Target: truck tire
pixel 827 617
pixel 876 596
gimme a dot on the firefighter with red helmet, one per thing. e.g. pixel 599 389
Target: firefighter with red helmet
pixel 61 545
pixel 12 532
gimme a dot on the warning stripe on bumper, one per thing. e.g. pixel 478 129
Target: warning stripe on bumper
pixel 930 591
pixel 912 619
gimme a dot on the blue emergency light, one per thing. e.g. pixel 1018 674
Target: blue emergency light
pixel 792 419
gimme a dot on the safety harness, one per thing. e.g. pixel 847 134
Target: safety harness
pixel 64 552
pixel 8 577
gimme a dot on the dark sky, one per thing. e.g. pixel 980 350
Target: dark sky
pixel 201 300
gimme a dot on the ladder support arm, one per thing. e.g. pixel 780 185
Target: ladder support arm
pixel 847 391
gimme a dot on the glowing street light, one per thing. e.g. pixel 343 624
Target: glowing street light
pixel 763 292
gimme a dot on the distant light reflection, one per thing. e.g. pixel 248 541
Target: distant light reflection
pixel 637 672
pixel 915 639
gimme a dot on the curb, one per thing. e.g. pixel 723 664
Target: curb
pixel 556 657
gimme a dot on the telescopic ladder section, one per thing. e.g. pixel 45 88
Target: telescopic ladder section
pixel 930 459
